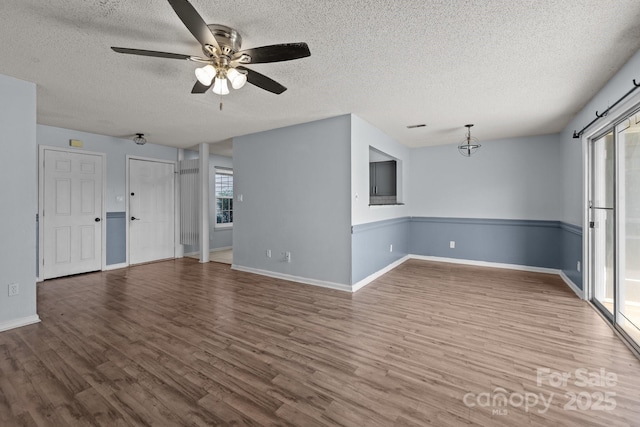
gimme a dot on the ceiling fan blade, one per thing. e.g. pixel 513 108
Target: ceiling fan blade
pixel 199 87
pixel 263 81
pixel 194 22
pixel 150 53
pixel 275 53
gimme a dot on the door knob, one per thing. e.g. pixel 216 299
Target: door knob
pixel 133 218
pixel 97 220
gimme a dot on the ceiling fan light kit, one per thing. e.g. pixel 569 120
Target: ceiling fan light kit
pixel 237 78
pixel 220 86
pixel 223 58
pixel 470 145
pixel 206 74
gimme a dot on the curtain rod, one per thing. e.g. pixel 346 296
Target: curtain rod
pixel 599 116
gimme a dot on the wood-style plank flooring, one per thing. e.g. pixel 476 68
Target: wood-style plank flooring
pixel 182 343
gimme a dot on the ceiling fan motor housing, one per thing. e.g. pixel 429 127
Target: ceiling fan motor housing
pixel 230 40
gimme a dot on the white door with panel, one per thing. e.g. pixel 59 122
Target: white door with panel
pixel 72 213
pixel 151 210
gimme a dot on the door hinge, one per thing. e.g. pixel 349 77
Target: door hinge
pixel 592 224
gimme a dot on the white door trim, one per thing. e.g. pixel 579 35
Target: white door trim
pixel 41 150
pixel 613 117
pixel 176 200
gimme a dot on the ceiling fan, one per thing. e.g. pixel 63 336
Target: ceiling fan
pixel 224 61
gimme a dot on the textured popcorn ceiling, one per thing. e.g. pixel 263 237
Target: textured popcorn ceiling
pixel 511 67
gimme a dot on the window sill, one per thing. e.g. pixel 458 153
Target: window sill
pixel 386 204
pixel 223 227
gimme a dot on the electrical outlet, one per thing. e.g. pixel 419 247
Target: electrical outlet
pixel 390 248
pixel 452 244
pixel 287 256
pixel 268 253
pixel 578 266
pixel 14 289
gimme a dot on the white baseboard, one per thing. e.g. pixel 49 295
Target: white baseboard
pixel 17 323
pixel 364 282
pixel 572 285
pixel 488 264
pixel 298 279
pixel 115 266
pixel 518 267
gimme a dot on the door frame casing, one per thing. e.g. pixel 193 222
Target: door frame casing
pixel 176 199
pixel 613 117
pixel 590 151
pixel 103 213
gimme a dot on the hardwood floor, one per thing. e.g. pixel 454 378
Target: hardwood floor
pixel 225 257
pixel 183 343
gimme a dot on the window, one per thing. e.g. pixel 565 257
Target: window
pixel 224 197
pixel 384 185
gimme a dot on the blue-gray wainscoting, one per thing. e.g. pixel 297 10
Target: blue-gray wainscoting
pixel 370 246
pixel 531 243
pixel 547 244
pixel 572 252
pixel 116 238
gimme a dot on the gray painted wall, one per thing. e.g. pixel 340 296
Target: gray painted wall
pixel 363 136
pixel 116 238
pixel 547 244
pixel 572 162
pixel 295 185
pixel 519 242
pixel 516 178
pixel 571 149
pixel 19 198
pixel 376 245
pixel 451 197
pixel 218 237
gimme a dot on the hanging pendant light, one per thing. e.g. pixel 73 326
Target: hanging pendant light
pixel 470 145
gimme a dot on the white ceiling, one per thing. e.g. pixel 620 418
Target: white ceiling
pixel 512 67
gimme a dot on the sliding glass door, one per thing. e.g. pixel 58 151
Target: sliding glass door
pixel 602 223
pixel 614 222
pixel 628 294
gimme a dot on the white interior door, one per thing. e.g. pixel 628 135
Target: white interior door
pixel 151 211
pixel 72 214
